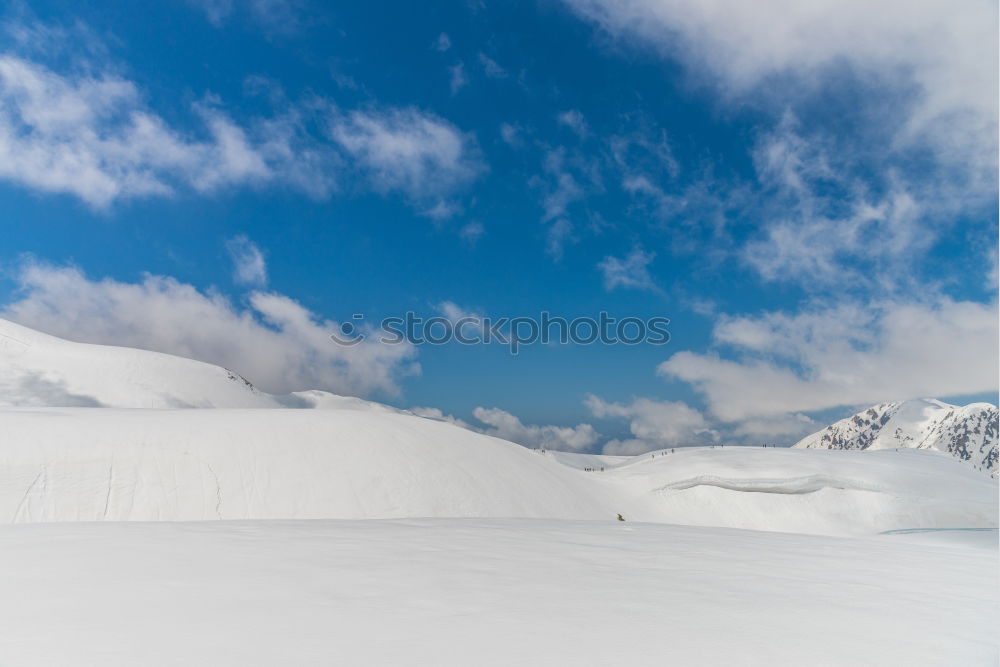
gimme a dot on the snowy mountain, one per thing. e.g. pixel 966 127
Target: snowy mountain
pixel 966 432
pixel 37 369
pixel 100 433
pixel 107 464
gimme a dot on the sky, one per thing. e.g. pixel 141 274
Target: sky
pixel 807 190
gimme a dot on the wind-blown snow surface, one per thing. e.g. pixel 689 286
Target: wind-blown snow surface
pixel 968 432
pixel 487 593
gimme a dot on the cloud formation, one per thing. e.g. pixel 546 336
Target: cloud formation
pixel 504 425
pixel 491 68
pixel 274 341
pixel 631 272
pixel 90 133
pixel 847 355
pixel 864 199
pixel 249 267
pixel 947 54
pixel 442 43
pixel 575 121
pixel 274 17
pixel 827 222
pixel 409 151
pixel 457 78
pixel 654 425
pixel 93 137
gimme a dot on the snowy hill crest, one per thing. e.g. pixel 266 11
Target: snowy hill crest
pixel 969 433
pixel 39 370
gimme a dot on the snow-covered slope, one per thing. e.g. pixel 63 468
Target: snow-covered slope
pixel 74 464
pixel 966 432
pixel 71 464
pixel 806 491
pixel 41 370
pixel 356 459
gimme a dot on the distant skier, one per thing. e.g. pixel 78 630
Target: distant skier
pixel 621 518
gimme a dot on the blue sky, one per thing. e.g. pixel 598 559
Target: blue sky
pixel 810 195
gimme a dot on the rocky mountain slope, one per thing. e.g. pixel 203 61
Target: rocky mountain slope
pixel 968 432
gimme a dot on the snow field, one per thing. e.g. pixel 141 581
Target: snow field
pixel 487 592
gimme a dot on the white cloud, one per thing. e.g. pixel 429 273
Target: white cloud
pixel 511 135
pixel 948 53
pixel 442 43
pixel 847 355
pixel 472 231
pixel 654 424
pixel 504 425
pixel 274 17
pixel 457 78
pixel 491 68
pixel 992 267
pixel 442 209
pixel 216 11
pixel 862 200
pixel 409 151
pixel 560 186
pixel 572 180
pixel 630 272
pixel 784 428
pixel 274 341
pixel 559 233
pixel 565 191
pixel 32 38
pixel 825 225
pixel 92 136
pixel 640 184
pixel 249 266
pixel 645 148
pixel 89 132
pixel 575 121
pixel 465 321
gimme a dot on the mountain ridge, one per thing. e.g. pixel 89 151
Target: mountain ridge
pixel 967 432
pixel 41 370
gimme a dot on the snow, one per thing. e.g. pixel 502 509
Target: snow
pixel 72 464
pixel 486 592
pixel 586 461
pixel 969 432
pixel 161 511
pixel 41 370
pixel 809 491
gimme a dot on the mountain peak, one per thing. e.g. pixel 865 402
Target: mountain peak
pixel 968 432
